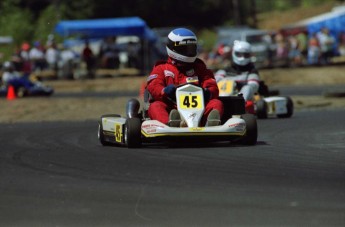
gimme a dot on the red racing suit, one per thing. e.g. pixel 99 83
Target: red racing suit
pixel 165 73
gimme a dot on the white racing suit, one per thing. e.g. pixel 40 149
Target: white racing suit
pixel 247 79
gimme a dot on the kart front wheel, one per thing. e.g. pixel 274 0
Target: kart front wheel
pixel 289 107
pixel 133 133
pixel 251 136
pixel 261 109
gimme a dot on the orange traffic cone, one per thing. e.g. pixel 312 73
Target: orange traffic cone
pixel 11 93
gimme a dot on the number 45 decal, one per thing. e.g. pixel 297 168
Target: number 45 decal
pixel 190 101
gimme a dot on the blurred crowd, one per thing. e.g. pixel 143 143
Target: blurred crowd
pixel 62 61
pixel 278 50
pixel 37 57
pixel 286 50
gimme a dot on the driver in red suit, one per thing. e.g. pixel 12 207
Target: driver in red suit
pixel 181 66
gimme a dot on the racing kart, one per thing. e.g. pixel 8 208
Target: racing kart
pixel 265 105
pixel 136 128
pixel 38 89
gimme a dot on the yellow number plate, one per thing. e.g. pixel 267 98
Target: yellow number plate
pixel 190 102
pixel 226 87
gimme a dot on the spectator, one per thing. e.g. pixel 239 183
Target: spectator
pixel 25 56
pixel 281 47
pixel 271 48
pixel 37 57
pixel 326 41
pixel 302 39
pixel 294 52
pixel 341 45
pixel 89 59
pixel 52 56
pixel 66 63
pixel 109 54
pixel 313 50
pixel 132 53
pixel 17 60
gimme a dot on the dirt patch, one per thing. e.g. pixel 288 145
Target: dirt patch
pixel 304 76
pixel 73 109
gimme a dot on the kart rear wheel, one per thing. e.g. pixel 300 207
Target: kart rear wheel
pixel 133 133
pixel 22 92
pixel 101 135
pixel 251 135
pixel 261 109
pixel 289 107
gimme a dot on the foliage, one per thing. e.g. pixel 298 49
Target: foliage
pixel 15 22
pixel 45 23
pixel 207 38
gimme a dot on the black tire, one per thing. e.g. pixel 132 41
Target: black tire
pixel 133 133
pixel 101 135
pixel 251 135
pixel 289 107
pixel 273 93
pixel 110 115
pixel 261 109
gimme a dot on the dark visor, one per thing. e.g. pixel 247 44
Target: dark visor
pixel 186 47
pixel 239 54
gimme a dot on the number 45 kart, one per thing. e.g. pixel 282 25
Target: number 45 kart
pixel 136 128
pixel 265 105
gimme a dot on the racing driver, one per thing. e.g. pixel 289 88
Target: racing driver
pixel 181 66
pixel 244 72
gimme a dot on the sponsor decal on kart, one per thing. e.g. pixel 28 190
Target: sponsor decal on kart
pixel 151 126
pixel 118 132
pixel 196 129
pixel 238 126
pixel 151 130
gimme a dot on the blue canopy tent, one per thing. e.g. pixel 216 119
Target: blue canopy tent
pixel 101 28
pixel 334 21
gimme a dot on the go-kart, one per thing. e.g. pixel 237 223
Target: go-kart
pixel 265 105
pixel 137 128
pixel 38 89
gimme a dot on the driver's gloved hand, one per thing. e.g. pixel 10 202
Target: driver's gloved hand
pixel 170 91
pixel 207 95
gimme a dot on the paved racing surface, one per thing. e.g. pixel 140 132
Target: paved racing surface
pixel 57 174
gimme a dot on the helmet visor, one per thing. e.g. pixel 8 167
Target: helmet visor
pixel 185 47
pixel 242 54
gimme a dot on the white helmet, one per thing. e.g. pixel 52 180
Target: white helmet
pixel 8 65
pixel 241 52
pixel 182 45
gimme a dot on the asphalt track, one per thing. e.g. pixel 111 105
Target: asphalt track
pixel 58 174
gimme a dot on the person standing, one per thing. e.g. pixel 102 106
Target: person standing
pixel 89 59
pixel 327 42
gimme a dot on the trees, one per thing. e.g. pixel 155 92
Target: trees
pixel 35 19
pixel 15 21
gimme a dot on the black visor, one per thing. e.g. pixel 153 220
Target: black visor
pixel 186 47
pixel 241 54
